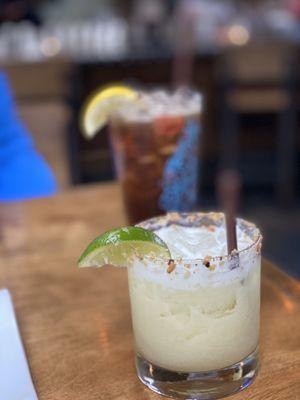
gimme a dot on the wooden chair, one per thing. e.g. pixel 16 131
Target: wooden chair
pixel 258 79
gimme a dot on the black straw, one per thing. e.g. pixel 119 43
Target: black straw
pixel 228 188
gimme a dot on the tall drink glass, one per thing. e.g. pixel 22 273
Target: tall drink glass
pixel 155 145
pixel 196 319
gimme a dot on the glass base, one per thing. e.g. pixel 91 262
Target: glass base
pixel 199 385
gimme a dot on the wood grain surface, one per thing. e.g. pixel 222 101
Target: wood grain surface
pixel 75 324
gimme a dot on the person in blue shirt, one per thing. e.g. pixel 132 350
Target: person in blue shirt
pixel 24 174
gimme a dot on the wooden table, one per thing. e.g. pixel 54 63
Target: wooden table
pixel 76 323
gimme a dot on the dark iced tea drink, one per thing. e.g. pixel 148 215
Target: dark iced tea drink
pixel 155 144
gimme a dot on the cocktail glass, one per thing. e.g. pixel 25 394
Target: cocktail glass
pixel 196 322
pixel 155 145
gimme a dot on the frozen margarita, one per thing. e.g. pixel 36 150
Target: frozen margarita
pixel 201 311
pixel 195 308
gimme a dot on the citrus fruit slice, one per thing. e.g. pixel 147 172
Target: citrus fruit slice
pixel 98 107
pixel 118 245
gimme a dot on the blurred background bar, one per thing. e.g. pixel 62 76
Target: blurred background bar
pixel 246 63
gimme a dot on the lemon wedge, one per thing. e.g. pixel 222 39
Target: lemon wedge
pixel 98 107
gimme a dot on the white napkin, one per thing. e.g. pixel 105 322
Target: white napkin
pixel 15 379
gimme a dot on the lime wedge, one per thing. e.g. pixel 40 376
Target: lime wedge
pixel 118 245
pixel 99 105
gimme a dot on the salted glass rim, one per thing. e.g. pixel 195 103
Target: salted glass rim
pixel 215 218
